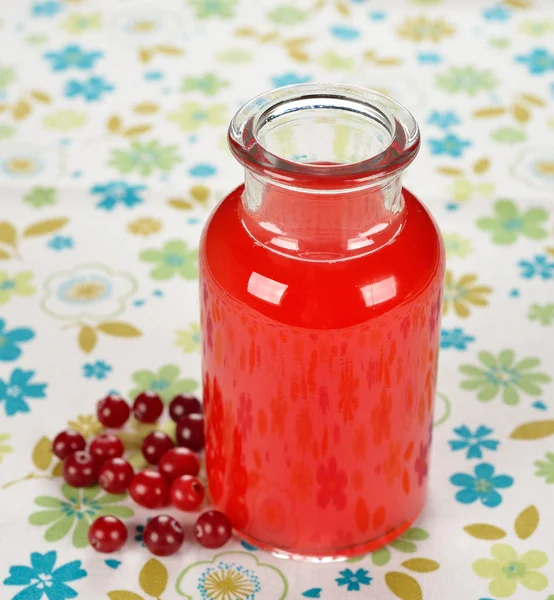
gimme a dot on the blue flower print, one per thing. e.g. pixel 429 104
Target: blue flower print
pixel 289 79
pixel 443 119
pixel 97 370
pixel 140 532
pixel 429 58
pixel 353 579
pixel 539 266
pixel 473 442
pixel 60 242
pixel 455 338
pixel 10 340
pixel 377 15
pixel 72 56
pixel 92 89
pixel 117 192
pixel 451 145
pixel 41 580
pixel 539 61
pixel 14 392
pixel 497 13
pixel 481 487
pixel 46 9
pixel 203 170
pixel 345 33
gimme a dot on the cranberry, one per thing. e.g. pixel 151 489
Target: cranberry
pixel 163 535
pixel 147 407
pixel 149 489
pixel 212 529
pixel 187 493
pixel 80 470
pixel 113 411
pixel 67 443
pixel 115 475
pixel 155 445
pixel 184 404
pixel 106 446
pixel 190 432
pixel 177 462
pixel 107 534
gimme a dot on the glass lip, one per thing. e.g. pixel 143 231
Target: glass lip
pixel 250 152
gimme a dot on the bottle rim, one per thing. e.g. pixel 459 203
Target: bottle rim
pixel 396 122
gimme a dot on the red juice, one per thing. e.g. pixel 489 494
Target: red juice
pixel 319 369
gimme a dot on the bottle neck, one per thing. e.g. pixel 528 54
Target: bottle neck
pixel 322 224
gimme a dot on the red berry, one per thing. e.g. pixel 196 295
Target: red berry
pixel 177 462
pixel 67 443
pixel 115 475
pixel 190 432
pixel 155 445
pixel 163 535
pixel 187 493
pixel 80 470
pixel 106 446
pixel 184 404
pixel 212 529
pixel 149 489
pixel 148 407
pixel 113 411
pixel 107 534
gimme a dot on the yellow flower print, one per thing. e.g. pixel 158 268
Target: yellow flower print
pixel 507 569
pixel 78 23
pixel 421 29
pixel 87 425
pixel 461 293
pixel 145 226
pixel 188 340
pixel 18 285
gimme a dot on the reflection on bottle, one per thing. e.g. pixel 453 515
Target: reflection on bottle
pixel 266 289
pixel 380 291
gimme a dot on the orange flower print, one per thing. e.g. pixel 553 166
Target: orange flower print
pixel 278 414
pixel 421 463
pixel 301 481
pixel 380 418
pixel 392 465
pixel 304 431
pixel 332 484
pixel 348 393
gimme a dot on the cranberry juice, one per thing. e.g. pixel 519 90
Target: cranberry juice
pixel 319 379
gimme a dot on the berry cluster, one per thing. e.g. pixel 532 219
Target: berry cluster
pixel 171 478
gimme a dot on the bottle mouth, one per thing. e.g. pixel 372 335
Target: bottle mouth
pixel 324 135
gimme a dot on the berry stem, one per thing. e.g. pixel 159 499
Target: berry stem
pixel 26 478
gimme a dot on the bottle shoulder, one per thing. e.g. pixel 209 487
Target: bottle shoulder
pixel 328 294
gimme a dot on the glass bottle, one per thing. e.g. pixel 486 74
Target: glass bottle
pixel 321 282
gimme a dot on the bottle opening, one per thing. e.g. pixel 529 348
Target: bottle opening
pixel 346 135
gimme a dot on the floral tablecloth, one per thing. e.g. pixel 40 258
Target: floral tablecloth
pixel 113 118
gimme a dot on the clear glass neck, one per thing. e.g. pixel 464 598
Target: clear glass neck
pixel 323 168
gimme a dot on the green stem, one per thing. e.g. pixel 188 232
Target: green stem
pixel 27 477
pixel 444 418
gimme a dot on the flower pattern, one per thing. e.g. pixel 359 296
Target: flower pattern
pixel 113 121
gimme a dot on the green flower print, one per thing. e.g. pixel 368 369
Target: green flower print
pixel 502 374
pixel 544 314
pixel 537 29
pixel 176 258
pixel 40 196
pixel 6 131
pixel 76 511
pixel 234 56
pixel 545 468
pixel 287 14
pixel 192 115
pixel 65 119
pixel 331 61
pixel 466 80
pixel 463 189
pixel 209 84
pixel 189 340
pixel 146 158
pixel 507 569
pixel 5 448
pixel 165 383
pixel 457 245
pixel 19 285
pixel 508 135
pixel 7 76
pixel 509 222
pixel 213 8
pixel 78 23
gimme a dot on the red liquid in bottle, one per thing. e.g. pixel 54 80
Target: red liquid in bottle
pixel 319 375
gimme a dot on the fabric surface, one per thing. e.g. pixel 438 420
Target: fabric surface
pixel 112 152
